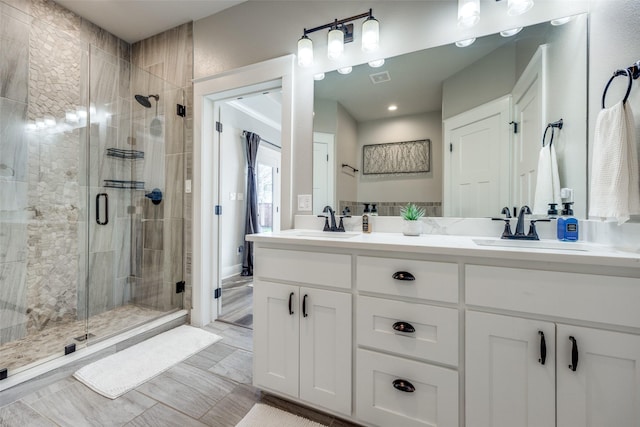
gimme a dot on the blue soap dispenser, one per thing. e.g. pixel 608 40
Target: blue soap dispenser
pixel 567 228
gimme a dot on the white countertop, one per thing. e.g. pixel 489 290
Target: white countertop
pixel 466 246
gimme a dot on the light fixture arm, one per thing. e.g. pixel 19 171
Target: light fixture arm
pixel 337 22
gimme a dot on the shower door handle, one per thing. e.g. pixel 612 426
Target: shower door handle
pixel 106 208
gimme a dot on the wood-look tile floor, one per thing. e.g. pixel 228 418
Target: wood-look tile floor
pixel 237 301
pixel 211 388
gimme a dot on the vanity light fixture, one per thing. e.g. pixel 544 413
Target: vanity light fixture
pixel 340 32
pixel 518 7
pixel 465 43
pixel 561 21
pixel 511 32
pixel 377 63
pixel 319 76
pixel 345 70
pixel 468 13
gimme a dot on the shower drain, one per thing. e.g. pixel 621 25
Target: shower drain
pixel 84 337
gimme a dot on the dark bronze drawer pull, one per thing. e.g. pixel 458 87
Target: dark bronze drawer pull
pixel 403 385
pixel 404 327
pixel 403 275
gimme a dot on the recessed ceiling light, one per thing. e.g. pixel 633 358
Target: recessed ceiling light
pixel 392 107
pixel 465 43
pixel 376 63
pixel 560 21
pixel 319 76
pixel 511 32
pixel 345 70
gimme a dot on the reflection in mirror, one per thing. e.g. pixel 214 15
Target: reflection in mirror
pixel 467 102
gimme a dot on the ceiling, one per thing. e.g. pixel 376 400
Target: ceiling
pixel 135 20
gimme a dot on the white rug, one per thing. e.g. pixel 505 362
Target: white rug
pixel 262 415
pixel 125 370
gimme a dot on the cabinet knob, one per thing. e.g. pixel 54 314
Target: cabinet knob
pixel 404 327
pixel 543 348
pixel 403 275
pixel 403 385
pixel 574 354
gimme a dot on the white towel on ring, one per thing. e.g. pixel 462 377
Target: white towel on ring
pixel 547 181
pixel 615 185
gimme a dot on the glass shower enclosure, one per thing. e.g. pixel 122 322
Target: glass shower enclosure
pixel 91 206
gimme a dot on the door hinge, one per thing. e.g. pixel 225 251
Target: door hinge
pixel 515 126
pixel 450 147
pixel 181 110
pixel 180 287
pixel 217 293
pixel 218 210
pixel 327 157
pixel 218 126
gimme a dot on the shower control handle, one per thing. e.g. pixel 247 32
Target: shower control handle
pixel 106 208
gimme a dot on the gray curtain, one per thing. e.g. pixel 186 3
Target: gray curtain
pixel 251 226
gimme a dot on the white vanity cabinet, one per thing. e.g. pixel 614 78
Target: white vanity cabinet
pixel 399 335
pixel 591 378
pixel 302 335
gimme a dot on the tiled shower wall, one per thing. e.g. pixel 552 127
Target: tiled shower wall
pixel 45 54
pixel 169 55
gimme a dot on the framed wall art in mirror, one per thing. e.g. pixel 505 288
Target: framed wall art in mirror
pixel 396 157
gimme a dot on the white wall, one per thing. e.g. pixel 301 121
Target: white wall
pixel 402 188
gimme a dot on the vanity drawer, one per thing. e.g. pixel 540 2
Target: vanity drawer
pixel 316 268
pixel 436 281
pixel 436 329
pixel 434 402
pixel 595 298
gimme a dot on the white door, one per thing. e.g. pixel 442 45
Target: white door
pixel 323 171
pixel 325 349
pixel 604 389
pixel 476 180
pixel 506 383
pixel 276 330
pixel 529 114
pixel 268 187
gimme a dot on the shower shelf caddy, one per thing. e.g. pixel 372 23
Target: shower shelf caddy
pixel 114 183
pixel 125 154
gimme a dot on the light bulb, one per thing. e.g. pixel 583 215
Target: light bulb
pixel 376 63
pixel 392 107
pixel 305 51
pixel 319 76
pixel 560 21
pixel 518 7
pixel 335 44
pixel 370 35
pixel 345 70
pixel 468 13
pixel 465 43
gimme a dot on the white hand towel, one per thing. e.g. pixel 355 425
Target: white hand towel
pixel 615 185
pixel 547 181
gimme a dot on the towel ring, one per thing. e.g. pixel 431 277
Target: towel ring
pixel 617 73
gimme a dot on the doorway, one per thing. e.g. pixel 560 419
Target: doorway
pixel 257 112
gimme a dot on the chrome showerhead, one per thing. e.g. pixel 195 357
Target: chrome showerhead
pixel 144 100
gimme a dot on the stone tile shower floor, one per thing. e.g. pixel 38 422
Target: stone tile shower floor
pixel 50 341
pixel 211 388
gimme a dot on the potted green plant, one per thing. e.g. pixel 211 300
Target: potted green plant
pixel 411 215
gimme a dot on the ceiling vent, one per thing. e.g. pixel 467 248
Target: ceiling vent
pixel 380 77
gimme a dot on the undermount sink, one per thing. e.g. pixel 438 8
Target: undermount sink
pixel 326 234
pixel 532 244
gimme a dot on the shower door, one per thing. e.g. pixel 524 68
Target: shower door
pixel 135 198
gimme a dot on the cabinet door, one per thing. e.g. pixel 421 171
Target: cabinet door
pixel 325 349
pixel 604 390
pixel 506 383
pixel 276 334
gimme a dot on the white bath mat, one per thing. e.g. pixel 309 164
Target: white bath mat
pixel 262 415
pixel 127 369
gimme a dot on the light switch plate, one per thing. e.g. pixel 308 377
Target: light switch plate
pixel 240 196
pixel 187 186
pixel 232 196
pixel 304 202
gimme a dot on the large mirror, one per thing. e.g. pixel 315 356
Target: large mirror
pixel 467 102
